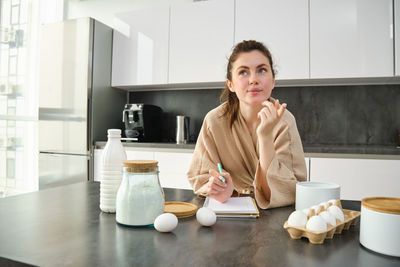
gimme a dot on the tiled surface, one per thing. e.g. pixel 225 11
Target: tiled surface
pixel 326 116
pixel 345 115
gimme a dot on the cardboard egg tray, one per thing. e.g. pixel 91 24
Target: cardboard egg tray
pixel 318 237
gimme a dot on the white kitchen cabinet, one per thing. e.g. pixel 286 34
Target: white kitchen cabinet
pixel 141 58
pixel 351 38
pixel 359 178
pixel 173 168
pixel 283 27
pixel 397 36
pixel 201 39
pixel 171 165
pixel 132 154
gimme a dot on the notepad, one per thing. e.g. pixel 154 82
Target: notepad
pixel 233 207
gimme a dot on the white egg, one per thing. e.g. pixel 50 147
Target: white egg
pixel 306 211
pixel 332 201
pixel 316 223
pixel 206 216
pixel 328 217
pixel 297 218
pixel 165 222
pixel 324 204
pixel 337 212
pixel 315 208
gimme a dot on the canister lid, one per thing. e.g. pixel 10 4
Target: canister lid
pixel 140 165
pixel 382 204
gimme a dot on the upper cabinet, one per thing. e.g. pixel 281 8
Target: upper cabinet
pixel 283 27
pixel 141 58
pixel 308 39
pixel 351 38
pixel 397 36
pixel 201 38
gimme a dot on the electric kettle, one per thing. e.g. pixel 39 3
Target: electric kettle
pixel 182 129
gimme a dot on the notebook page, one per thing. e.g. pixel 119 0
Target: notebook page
pixel 233 205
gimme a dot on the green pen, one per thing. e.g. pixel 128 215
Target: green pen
pixel 220 171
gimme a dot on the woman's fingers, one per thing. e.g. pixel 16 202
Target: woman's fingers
pixel 267 112
pixel 213 192
pixel 217 180
pixel 214 188
pixel 215 184
pixel 277 104
pixel 274 108
pixel 282 109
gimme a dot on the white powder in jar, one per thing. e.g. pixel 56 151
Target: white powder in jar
pixel 139 200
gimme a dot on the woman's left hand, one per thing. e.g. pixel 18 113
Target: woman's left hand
pixel 269 115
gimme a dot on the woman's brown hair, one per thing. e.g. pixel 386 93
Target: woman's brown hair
pixel 230 100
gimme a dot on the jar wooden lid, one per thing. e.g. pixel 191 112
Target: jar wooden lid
pixel 382 204
pixel 141 165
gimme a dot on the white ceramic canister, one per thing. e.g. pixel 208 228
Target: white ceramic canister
pixel 313 193
pixel 380 225
pixel 140 198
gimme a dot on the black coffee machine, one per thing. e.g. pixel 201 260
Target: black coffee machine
pixel 142 122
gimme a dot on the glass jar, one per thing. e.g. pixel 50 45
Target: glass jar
pixel 140 197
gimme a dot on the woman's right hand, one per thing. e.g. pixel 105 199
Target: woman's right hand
pixel 269 116
pixel 217 189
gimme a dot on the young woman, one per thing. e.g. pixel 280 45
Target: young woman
pixel 253 137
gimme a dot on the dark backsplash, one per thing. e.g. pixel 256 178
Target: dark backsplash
pixel 326 115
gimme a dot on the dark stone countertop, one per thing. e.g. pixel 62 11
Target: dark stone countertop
pixel 64 226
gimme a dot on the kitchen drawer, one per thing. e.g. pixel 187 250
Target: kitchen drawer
pixel 174 180
pixel 142 155
pixel 170 162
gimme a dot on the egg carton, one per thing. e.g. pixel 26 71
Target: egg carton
pixel 318 237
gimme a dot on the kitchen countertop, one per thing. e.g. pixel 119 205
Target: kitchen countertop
pixel 64 226
pixel 352 151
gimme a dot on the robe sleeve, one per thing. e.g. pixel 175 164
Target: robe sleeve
pixel 286 169
pixel 204 158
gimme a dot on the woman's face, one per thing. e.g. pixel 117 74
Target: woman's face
pixel 252 78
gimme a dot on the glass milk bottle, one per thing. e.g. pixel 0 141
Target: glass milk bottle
pixel 140 198
pixel 111 170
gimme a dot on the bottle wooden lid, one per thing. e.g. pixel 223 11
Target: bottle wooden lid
pixel 141 165
pixel 382 204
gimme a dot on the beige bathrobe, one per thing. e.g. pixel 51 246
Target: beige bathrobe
pixel 239 155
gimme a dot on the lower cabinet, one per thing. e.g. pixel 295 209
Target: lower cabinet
pixel 359 178
pixel 171 165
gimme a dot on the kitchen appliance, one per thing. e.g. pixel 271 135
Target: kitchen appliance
pixel 142 122
pixel 182 129
pixel 76 102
